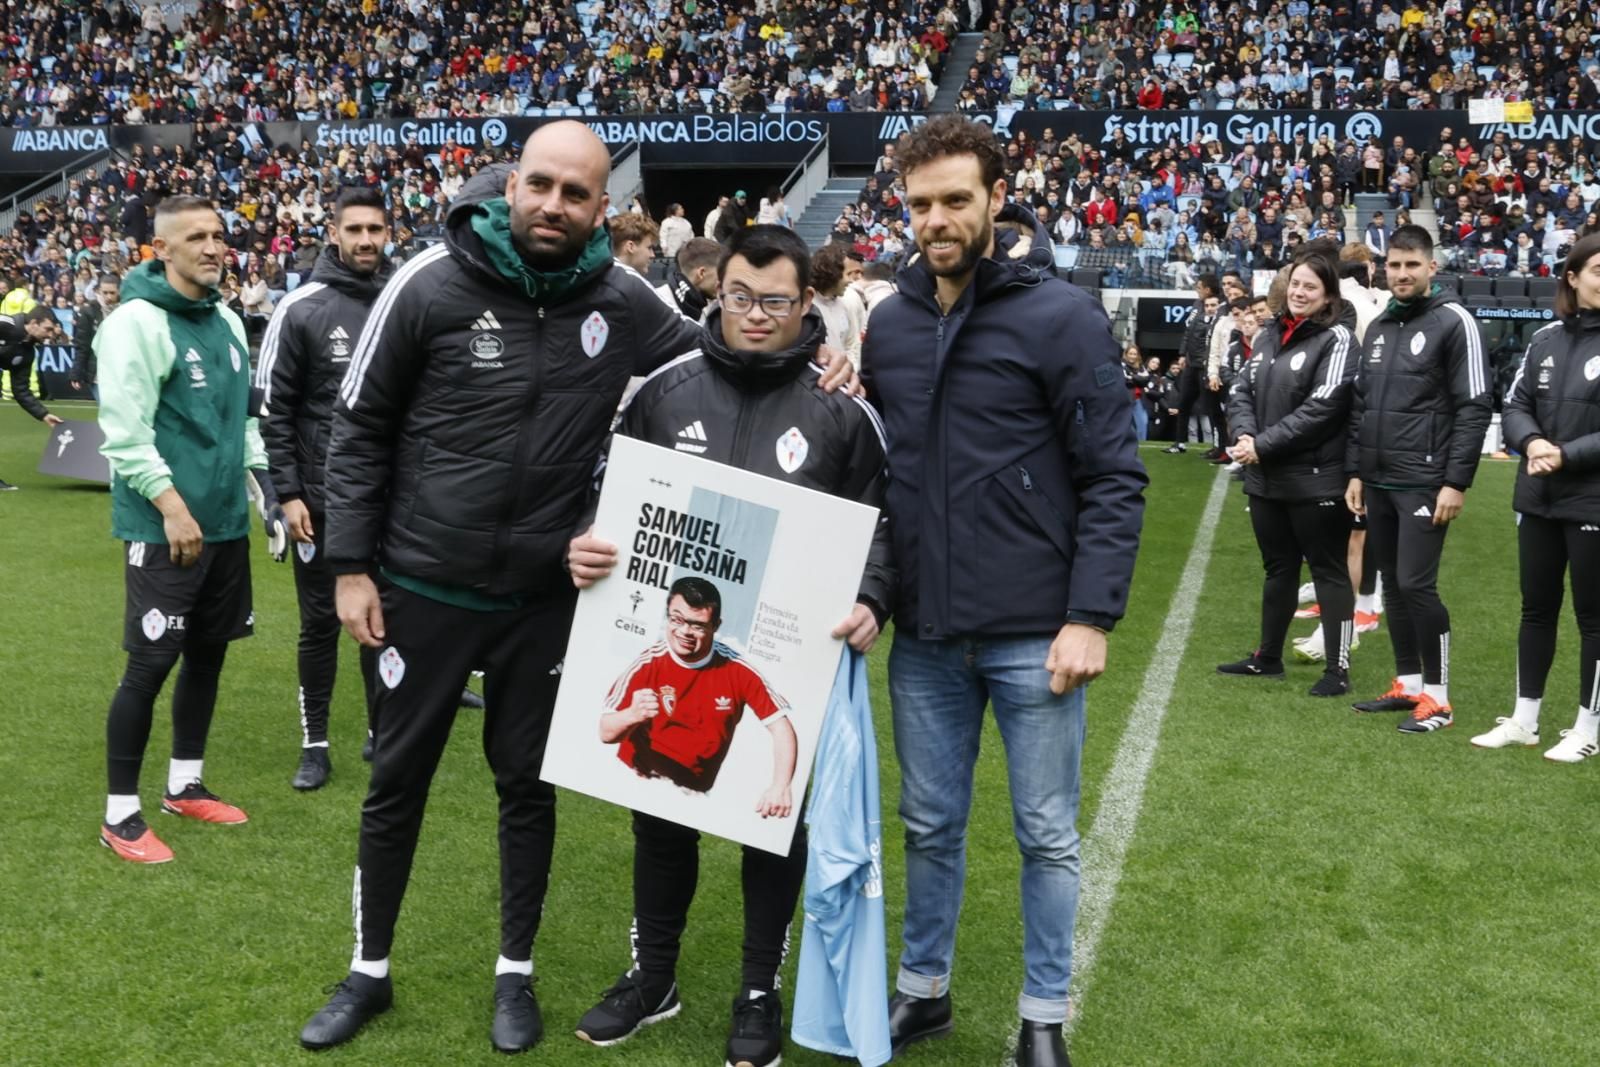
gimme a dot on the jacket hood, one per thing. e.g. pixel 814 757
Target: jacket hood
pixel 488 183
pixel 148 281
pixel 690 300
pixel 1023 255
pixel 763 370
pixel 335 274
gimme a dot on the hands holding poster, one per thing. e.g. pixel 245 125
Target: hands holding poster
pixel 698 672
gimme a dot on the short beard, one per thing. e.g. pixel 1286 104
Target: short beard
pixel 548 256
pixel 971 252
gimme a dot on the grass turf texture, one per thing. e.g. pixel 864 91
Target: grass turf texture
pixel 1306 885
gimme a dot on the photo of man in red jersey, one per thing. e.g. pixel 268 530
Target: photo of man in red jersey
pixel 673 712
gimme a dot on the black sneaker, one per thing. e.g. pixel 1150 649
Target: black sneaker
pixel 355 1000
pixel 7 487
pixel 622 1012
pixel 314 768
pixel 366 749
pixel 1253 666
pixel 471 700
pixel 756 1037
pixel 1333 683
pixel 1175 448
pixel 518 1025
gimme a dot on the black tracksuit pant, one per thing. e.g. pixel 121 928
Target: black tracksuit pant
pixel 319 639
pixel 1548 547
pixel 1406 546
pixel 430 650
pixel 1191 383
pixel 1317 531
pixel 666 870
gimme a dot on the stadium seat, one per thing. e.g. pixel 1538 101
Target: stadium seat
pixel 64 317
pixel 1011 64
pixel 291 281
pixel 1344 72
pixel 1542 290
pixel 1474 286
pixel 1511 286
pixel 1225 104
pixel 1488 71
pixel 1066 257
pixel 1085 277
pixel 1163 60
pixel 1184 60
pixel 1221 170
pixel 1515 302
pixel 585 98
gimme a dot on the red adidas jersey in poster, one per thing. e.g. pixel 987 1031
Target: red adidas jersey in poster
pixel 700 706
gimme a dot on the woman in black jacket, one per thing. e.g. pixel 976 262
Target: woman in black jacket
pixel 1552 417
pixel 1288 411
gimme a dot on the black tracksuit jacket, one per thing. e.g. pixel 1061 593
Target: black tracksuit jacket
pixel 1423 397
pixel 1294 398
pixel 1556 396
pixel 745 402
pixel 304 355
pixel 467 430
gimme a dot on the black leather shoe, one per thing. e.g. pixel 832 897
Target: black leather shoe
pixel 355 1000
pixel 518 1026
pixel 912 1019
pixel 314 769
pixel 1040 1045
pixel 366 749
pixel 471 700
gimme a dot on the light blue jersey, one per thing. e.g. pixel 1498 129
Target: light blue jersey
pixel 840 1001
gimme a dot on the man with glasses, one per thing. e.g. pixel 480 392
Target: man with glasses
pixel 751 399
pixel 673 712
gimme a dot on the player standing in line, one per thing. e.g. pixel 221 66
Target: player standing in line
pixel 1421 405
pixel 1289 410
pixel 175 412
pixel 1553 419
pixel 304 355
pixel 757 372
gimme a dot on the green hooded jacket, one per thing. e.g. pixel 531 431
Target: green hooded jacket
pixel 174 408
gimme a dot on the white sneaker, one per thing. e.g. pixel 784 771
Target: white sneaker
pixel 1308 593
pixel 1572 748
pixel 1507 732
pixel 1309 649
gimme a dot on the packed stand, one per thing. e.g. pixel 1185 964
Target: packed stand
pixel 1211 55
pixel 275 203
pixel 268 60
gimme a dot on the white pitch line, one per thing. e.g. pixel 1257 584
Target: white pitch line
pixel 1106 846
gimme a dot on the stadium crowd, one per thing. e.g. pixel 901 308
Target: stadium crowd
pixel 268 60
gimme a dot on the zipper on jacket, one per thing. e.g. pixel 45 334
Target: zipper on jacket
pixel 502 534
pixel 1027 480
pixel 1079 415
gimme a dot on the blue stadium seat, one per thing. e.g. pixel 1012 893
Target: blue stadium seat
pixel 585 98
pixel 1184 60
pixel 1066 257
pixel 1225 104
pixel 64 317
pixel 291 280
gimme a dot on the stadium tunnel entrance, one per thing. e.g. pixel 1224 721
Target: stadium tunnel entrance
pixel 697 188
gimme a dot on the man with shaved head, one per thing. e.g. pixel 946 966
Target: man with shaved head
pixel 464 444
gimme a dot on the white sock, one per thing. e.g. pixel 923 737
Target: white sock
pixel 371 968
pixel 119 807
pixel 1367 603
pixel 1527 713
pixel 316 744
pixel 1439 693
pixel 1588 724
pixel 180 772
pixel 1411 683
pixel 505 966
pixel 1377 593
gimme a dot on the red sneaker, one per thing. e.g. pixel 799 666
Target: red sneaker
pixel 1310 611
pixel 1366 622
pixel 196 802
pixel 135 842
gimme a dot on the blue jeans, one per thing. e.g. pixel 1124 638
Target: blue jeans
pixel 1141 420
pixel 939 690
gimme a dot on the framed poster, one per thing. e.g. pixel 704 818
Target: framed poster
pixel 698 673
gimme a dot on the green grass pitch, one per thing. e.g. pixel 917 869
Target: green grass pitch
pixel 1306 886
